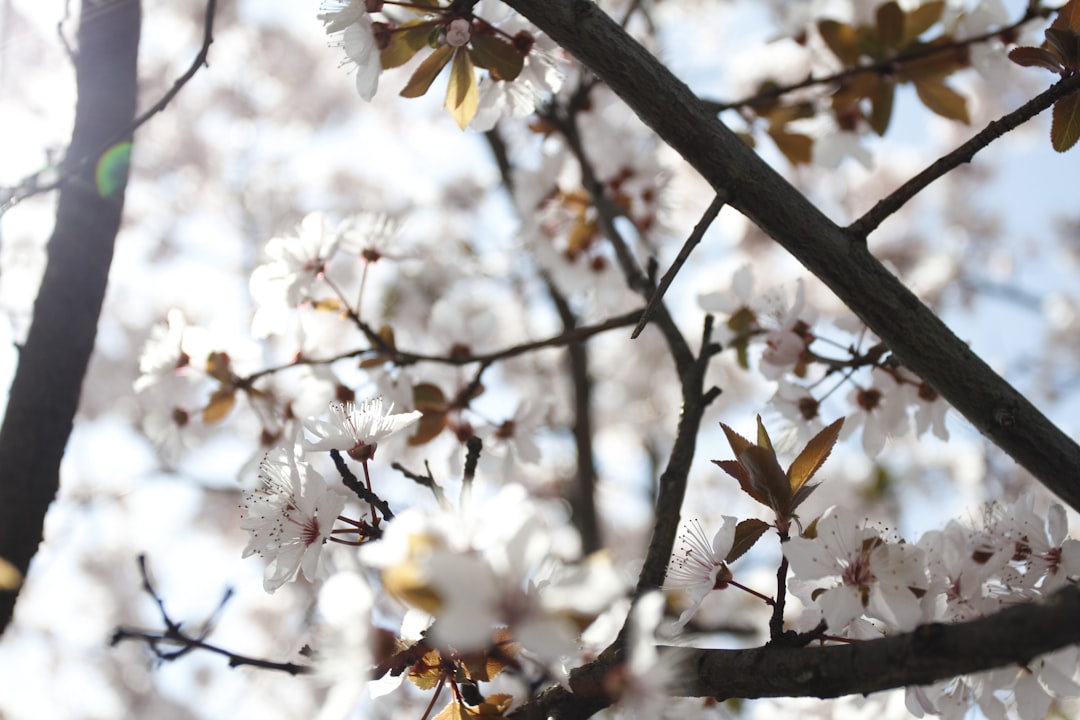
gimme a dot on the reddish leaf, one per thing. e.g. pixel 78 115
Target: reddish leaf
pixel 1068 16
pixel 738 442
pixel 1035 57
pixel 1066 43
pixel 747 533
pixel 1065 129
pixel 767 477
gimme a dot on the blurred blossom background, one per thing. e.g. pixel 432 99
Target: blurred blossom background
pixel 273 131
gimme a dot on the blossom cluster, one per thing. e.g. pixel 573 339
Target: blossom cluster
pixel 882 398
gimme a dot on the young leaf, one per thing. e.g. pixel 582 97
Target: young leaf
pixel 1068 16
pixel 501 58
pixel 747 533
pixel 881 105
pixel 1066 43
pixel 796 147
pixel 1065 129
pixel 763 436
pixel 1036 57
pixel 405 42
pixel 840 37
pixel 921 19
pixel 221 403
pixel 813 455
pixel 890 24
pixel 462 93
pixel 427 71
pixel 942 99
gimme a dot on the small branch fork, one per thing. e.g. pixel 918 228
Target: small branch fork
pixel 888 205
pixel 174 642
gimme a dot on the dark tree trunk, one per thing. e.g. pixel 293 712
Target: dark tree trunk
pixel 45 392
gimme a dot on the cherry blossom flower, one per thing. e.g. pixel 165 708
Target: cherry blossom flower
pixel 351 20
pixel 296 262
pixel 699 567
pixel 859 572
pixel 357 429
pixel 880 410
pixel 496 563
pixel 289 518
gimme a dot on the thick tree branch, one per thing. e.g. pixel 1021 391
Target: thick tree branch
pixel 919 339
pixel 930 653
pixel 52 363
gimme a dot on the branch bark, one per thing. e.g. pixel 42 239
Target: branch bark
pixel 45 391
pixel 919 339
pixel 930 653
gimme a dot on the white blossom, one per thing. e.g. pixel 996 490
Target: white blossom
pixel 289 518
pixel 351 20
pixel 859 573
pixel 357 429
pixel 699 566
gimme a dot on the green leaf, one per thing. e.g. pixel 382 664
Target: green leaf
pixel 1065 129
pixel 462 93
pixel 405 43
pixel 942 99
pixel 426 72
pixel 840 38
pixel 502 59
pixel 1035 57
pixel 747 533
pixel 881 105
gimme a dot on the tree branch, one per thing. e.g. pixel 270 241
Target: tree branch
pixel 895 200
pixel 919 339
pixel 45 391
pixel 930 653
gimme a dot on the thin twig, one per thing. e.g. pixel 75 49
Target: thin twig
pixel 353 483
pixel 691 242
pixel 174 637
pixel 997 128
pixel 403 357
pixel 29 186
pixel 888 66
